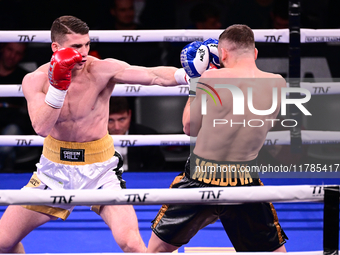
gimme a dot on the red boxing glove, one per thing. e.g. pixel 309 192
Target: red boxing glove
pixel 59 75
pixel 61 65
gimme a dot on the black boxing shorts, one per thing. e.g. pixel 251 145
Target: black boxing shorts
pixel 250 227
pixel 222 174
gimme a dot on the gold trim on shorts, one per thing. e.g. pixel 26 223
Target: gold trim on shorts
pixel 35 182
pixel 49 210
pixel 96 151
pixel 276 220
pixel 163 209
pixel 96 208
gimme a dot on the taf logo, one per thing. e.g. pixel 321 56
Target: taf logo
pixel 130 38
pixel 317 190
pixel 23 142
pixel 272 38
pixel 62 199
pixel 26 38
pixel 136 197
pixel 124 143
pixel 132 89
pixel 270 142
pixel 210 194
pixel 183 89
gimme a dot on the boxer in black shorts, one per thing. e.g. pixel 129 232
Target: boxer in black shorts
pixel 231 114
pixel 250 227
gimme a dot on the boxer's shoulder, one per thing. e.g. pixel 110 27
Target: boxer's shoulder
pixel 219 73
pixel 99 66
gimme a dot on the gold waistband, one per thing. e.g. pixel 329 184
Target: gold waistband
pixel 73 153
pixel 223 173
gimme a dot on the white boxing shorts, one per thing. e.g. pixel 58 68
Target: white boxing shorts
pixel 71 165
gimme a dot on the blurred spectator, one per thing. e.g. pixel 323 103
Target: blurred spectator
pixel 11 55
pixel 122 17
pixel 279 14
pixel 205 16
pixel 253 13
pixel 314 14
pixel 159 14
pixel 123 13
pixel 144 158
pixel 190 12
pixel 13 110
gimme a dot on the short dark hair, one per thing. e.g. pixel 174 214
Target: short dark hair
pixel 240 35
pixel 67 25
pixel 119 105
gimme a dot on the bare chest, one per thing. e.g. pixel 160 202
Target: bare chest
pixel 84 99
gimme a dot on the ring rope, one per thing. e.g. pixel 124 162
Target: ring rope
pixel 191 253
pixel 211 195
pixel 273 138
pixel 315 88
pixel 175 35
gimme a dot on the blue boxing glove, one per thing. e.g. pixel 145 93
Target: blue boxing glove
pixel 195 59
pixel 213 51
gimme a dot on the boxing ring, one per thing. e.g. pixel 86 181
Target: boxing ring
pixel 84 226
pixel 146 197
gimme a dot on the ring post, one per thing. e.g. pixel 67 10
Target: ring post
pixel 331 221
pixel 294 72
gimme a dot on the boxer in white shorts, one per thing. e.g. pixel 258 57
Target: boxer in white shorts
pixel 83 166
pixel 68 102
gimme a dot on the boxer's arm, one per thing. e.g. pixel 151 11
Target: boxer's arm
pixel 186 117
pixel 192 117
pixel 44 108
pixel 43 117
pixel 122 72
pixel 162 75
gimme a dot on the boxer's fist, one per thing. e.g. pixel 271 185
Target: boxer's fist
pixel 59 75
pixel 213 51
pixel 195 59
pixel 61 65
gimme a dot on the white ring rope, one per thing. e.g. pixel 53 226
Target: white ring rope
pixel 191 253
pixel 119 140
pixel 179 35
pixel 119 90
pixel 273 138
pixel 211 195
pixel 315 88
